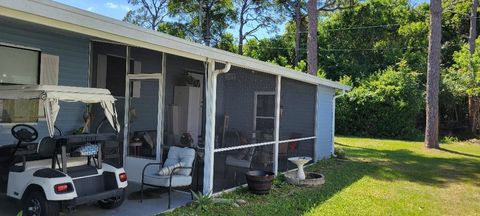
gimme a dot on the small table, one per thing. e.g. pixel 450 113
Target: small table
pixel 135 145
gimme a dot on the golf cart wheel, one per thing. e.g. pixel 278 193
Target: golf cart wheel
pixel 35 204
pixel 113 202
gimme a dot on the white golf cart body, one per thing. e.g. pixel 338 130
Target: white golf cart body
pixel 44 174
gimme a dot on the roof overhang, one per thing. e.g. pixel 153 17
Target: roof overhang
pixel 60 16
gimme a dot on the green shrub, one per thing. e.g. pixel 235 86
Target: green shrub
pixel 449 139
pixel 385 104
pixel 340 153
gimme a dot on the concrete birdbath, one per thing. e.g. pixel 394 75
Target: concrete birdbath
pixel 301 178
pixel 300 161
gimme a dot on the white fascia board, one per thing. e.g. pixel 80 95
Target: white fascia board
pixel 57 15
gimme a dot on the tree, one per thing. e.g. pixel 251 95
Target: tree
pixel 149 14
pixel 174 28
pixel 254 15
pixel 295 10
pixel 473 100
pixel 312 44
pixel 386 104
pixel 206 20
pixel 433 74
pixel 226 43
pixel 348 46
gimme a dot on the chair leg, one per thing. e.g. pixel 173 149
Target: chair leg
pixel 169 195
pixel 141 193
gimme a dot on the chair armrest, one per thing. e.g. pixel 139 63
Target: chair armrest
pixel 147 165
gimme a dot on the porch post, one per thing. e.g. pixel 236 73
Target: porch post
pixel 127 105
pixel 211 98
pixel 278 96
pixel 161 110
pixel 317 142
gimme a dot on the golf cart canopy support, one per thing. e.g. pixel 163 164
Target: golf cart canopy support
pixel 51 95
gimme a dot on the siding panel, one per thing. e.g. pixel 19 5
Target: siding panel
pixel 324 122
pixel 73 51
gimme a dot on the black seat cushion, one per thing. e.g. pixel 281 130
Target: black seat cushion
pixel 80 171
pixel 48 173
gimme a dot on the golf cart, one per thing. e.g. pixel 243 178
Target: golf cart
pixel 58 172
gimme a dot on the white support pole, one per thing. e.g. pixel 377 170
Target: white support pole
pixel 278 96
pixel 211 96
pixel 316 142
pixel 161 110
pixel 127 105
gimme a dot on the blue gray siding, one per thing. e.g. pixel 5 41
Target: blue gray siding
pixel 324 122
pixel 237 91
pixel 73 51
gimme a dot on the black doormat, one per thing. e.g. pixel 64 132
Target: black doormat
pixel 149 193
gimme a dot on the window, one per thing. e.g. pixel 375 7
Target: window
pixel 264 112
pixel 19 66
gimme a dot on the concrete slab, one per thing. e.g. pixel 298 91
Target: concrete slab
pixel 129 207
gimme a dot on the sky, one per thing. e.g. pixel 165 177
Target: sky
pixel 117 9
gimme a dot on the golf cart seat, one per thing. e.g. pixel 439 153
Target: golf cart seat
pixel 47 147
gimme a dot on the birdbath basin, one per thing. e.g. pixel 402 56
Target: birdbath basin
pixel 300 161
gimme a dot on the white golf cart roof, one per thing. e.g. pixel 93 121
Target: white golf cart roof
pixel 51 95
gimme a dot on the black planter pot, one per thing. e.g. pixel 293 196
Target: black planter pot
pixel 259 182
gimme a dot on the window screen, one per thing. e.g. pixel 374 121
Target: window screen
pixel 19 111
pixel 18 65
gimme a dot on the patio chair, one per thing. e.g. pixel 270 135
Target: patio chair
pixel 240 158
pixel 177 171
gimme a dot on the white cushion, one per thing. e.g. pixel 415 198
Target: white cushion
pixel 183 155
pixel 167 170
pixel 164 181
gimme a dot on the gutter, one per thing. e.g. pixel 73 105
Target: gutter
pixel 226 69
pixel 333 120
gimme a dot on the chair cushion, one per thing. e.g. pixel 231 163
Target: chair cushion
pixel 183 155
pixel 164 181
pixel 233 161
pixel 167 170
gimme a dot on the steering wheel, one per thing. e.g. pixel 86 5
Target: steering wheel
pixel 24 133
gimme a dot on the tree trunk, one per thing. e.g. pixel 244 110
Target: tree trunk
pixel 240 31
pixel 433 74
pixel 312 37
pixel 473 27
pixel 473 101
pixel 240 45
pixel 298 28
pixel 474 113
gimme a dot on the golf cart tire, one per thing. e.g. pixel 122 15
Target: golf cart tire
pixel 47 208
pixel 112 202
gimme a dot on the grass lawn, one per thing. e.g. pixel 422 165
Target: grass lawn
pixel 379 177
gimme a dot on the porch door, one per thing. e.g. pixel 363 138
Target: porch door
pixel 143 136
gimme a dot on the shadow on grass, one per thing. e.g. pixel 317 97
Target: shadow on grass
pixel 385 165
pixel 459 153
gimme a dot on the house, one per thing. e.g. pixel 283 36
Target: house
pixel 240 113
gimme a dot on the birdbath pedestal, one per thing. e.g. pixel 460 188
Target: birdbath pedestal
pixel 300 161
